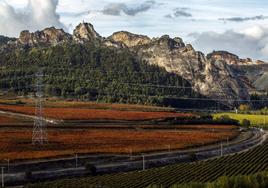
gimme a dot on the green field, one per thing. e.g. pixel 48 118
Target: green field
pixel 256 120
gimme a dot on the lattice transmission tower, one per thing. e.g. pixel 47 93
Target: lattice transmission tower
pixel 39 129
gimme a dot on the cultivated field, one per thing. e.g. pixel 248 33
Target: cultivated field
pixel 256 120
pixel 92 114
pixel 16 144
pixel 4 119
pixel 51 102
pixel 250 162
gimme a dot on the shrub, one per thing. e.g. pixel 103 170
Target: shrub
pixel 244 107
pixel 225 117
pixel 245 123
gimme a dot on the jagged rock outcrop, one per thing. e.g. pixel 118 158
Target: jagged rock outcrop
pixel 219 74
pixel 85 32
pixel 6 40
pixel 48 36
pixel 259 62
pixel 231 59
pixel 210 77
pixel 129 39
pixel 262 82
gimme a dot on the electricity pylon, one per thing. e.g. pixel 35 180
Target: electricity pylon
pixel 39 129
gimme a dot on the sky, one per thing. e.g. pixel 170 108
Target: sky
pixel 237 26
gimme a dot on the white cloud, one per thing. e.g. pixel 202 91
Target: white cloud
pixel 252 42
pixel 37 15
pixel 264 50
pixel 256 32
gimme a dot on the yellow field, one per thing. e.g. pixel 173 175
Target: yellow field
pixel 256 120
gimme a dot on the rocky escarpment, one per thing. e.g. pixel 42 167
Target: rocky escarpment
pixel 129 39
pixel 216 75
pixel 5 40
pixel 212 78
pixel 85 32
pixel 48 36
pixel 232 59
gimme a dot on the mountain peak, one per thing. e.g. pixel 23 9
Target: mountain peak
pixel 48 36
pixel 85 32
pixel 231 59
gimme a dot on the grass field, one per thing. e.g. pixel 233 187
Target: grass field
pixel 15 144
pixel 92 114
pixel 256 120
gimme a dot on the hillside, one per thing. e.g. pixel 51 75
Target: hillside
pixel 124 67
pixel 262 82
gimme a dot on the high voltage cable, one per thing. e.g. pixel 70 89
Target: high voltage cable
pixel 152 85
pixel 169 96
pixel 145 85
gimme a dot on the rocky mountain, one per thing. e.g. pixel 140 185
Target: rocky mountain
pixel 232 59
pixel 217 75
pixel 210 77
pixel 5 40
pixel 85 32
pixel 262 82
pixel 47 37
pixel 129 39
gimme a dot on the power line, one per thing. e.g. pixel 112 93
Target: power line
pixel 160 96
pixel 152 85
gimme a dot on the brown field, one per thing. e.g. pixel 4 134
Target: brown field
pixel 182 127
pixel 4 119
pixel 51 102
pixel 16 145
pixel 92 114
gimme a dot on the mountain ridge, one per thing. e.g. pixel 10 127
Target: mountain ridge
pixel 217 74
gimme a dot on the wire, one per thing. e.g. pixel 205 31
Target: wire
pixel 152 85
pixel 165 96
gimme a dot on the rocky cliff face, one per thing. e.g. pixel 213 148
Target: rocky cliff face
pixel 48 36
pixel 210 77
pixel 85 32
pixel 217 75
pixel 129 39
pixel 232 59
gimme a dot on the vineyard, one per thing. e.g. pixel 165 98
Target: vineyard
pixel 57 103
pixel 8 119
pixel 92 114
pixel 15 144
pixel 250 162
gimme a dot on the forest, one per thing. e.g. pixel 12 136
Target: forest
pixel 89 72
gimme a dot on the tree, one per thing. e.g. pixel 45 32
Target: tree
pixel 245 123
pixel 244 107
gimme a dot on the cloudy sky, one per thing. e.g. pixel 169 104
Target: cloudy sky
pixel 239 26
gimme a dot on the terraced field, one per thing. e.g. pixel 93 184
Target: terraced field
pixel 250 162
